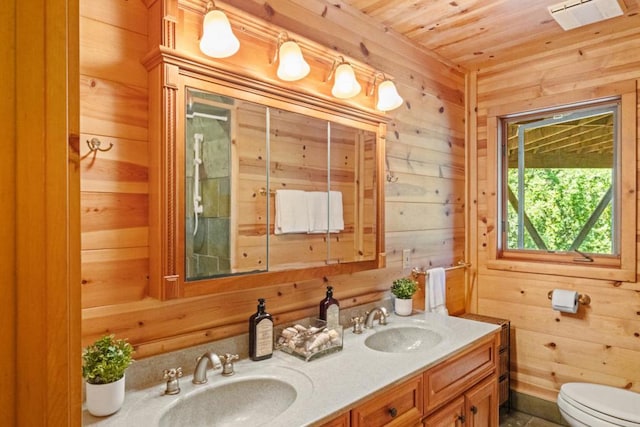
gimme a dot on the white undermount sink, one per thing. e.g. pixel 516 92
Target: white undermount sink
pixel 403 339
pixel 250 400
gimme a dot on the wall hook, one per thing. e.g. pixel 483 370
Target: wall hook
pixel 390 176
pixel 94 145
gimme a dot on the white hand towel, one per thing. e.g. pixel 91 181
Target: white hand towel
pixel 325 209
pixel 435 299
pixel 317 211
pixel 336 217
pixel 291 212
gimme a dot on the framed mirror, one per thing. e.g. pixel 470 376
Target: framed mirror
pixel 233 153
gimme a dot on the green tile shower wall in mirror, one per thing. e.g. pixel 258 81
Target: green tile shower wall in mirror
pixel 212 235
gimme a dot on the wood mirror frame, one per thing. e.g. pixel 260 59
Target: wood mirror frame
pixel 177 59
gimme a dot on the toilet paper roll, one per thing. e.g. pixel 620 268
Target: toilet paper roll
pixel 564 300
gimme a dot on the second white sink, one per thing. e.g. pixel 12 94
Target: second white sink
pixel 403 339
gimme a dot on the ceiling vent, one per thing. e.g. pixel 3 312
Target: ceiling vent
pixel 576 13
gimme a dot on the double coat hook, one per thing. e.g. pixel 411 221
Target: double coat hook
pixel 94 145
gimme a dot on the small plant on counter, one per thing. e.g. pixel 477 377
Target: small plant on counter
pixel 404 288
pixel 106 360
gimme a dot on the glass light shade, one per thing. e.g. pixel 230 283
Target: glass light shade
pixel 388 97
pixel 292 64
pixel 218 40
pixel 345 83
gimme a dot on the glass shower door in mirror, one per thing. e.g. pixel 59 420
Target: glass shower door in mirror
pixel 225 154
pixel 298 181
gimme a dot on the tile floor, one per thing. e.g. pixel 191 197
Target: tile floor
pixel 520 419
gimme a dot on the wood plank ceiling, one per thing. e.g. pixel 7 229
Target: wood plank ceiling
pixel 472 32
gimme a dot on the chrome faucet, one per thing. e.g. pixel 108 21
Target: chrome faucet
pixel 202 363
pixel 371 315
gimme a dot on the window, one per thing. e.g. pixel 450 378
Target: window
pixel 559 172
pixel 566 190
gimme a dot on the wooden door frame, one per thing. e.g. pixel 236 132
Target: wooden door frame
pixel 39 203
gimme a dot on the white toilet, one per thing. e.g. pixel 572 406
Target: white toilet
pixel 595 405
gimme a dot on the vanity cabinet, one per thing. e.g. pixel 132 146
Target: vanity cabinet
pixel 460 391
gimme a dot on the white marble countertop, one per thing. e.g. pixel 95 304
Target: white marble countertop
pixel 325 387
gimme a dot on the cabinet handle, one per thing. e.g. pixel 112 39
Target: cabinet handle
pixel 462 418
pixel 474 410
pixel 393 412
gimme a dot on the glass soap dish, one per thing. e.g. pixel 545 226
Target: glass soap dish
pixel 309 342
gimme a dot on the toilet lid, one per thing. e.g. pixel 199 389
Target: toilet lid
pixel 610 401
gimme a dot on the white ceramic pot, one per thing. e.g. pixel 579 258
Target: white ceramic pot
pixel 105 399
pixel 403 307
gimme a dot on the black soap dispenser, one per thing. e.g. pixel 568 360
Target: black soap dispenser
pixel 260 333
pixel 330 309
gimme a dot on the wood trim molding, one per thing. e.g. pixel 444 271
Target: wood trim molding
pixel 193 66
pixel 47 213
pixel 8 357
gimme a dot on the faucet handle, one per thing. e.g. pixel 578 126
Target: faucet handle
pixel 172 375
pixel 358 323
pixel 382 318
pixel 227 363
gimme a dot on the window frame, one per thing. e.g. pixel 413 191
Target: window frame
pixel 609 267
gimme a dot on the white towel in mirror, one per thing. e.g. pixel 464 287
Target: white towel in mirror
pixel 325 211
pixel 291 212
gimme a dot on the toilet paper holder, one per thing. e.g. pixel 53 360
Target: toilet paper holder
pixel 583 299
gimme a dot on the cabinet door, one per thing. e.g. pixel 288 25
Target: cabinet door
pixel 481 404
pixel 398 406
pixel 451 415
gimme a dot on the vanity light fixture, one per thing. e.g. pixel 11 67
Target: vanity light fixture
pixel 387 94
pixel 218 40
pixel 345 84
pixel 292 65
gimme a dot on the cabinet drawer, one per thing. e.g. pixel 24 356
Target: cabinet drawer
pixel 400 405
pixel 343 420
pixel 454 376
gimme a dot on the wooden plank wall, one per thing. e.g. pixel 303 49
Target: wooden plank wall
pixel 114 184
pixel 602 343
pixel 424 195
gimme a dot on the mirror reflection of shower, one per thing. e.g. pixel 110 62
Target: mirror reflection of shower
pixel 208 138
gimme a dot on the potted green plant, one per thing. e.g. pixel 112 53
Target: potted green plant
pixel 103 367
pixel 403 290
